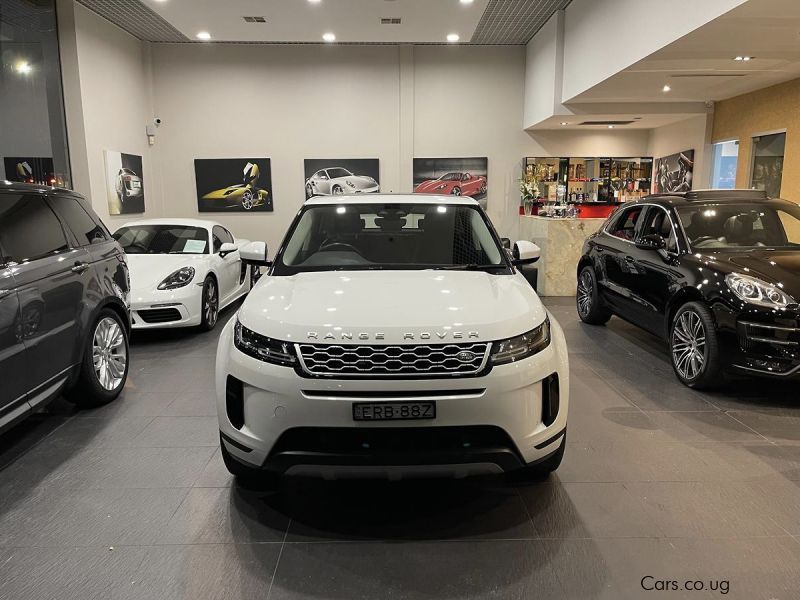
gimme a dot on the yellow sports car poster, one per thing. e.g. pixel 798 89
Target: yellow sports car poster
pixel 233 184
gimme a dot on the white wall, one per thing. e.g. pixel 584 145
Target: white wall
pixel 693 133
pixel 602 37
pixel 544 71
pixel 109 108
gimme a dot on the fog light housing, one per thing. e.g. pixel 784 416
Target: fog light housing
pixel 550 399
pixel 234 401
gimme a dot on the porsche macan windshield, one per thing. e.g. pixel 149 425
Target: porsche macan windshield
pixel 162 239
pixel 736 226
pixel 390 236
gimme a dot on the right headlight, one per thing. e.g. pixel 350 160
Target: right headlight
pixel 755 291
pixel 180 278
pixel 521 346
pixel 263 348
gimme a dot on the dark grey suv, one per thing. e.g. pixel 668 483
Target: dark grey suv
pixel 64 288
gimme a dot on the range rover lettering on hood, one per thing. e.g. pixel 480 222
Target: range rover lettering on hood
pixel 424 335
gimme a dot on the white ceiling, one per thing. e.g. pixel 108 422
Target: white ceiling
pixel 352 21
pixel 699 67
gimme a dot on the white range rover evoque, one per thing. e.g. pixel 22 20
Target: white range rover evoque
pixel 393 337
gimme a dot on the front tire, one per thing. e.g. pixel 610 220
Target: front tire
pixel 587 299
pixel 104 368
pixel 209 309
pixel 694 347
pixel 456 191
pixel 248 200
pixel 337 190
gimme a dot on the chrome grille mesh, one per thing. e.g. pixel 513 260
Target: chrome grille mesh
pixel 397 360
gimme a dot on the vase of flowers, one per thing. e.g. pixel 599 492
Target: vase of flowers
pixel 529 192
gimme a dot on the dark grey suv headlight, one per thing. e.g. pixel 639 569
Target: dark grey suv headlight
pixel 522 346
pixel 263 348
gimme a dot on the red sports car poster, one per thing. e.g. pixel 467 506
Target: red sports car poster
pixel 452 176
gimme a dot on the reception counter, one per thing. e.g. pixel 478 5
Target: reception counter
pixel 561 241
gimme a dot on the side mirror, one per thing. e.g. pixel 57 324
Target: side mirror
pixel 226 249
pixel 651 241
pixel 506 243
pixel 255 253
pixel 525 252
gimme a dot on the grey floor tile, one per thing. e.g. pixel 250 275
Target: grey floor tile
pixel 225 515
pixel 214 474
pixel 173 432
pixel 91 432
pixel 777 424
pixel 703 427
pixel 406 510
pixel 192 404
pixel 463 569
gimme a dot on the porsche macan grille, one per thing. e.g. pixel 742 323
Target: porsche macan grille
pixel 393 360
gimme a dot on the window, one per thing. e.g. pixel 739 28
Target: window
pixel 162 239
pixel 625 226
pixel 725 158
pixel 767 170
pixel 659 223
pixel 28 228
pixel 722 226
pixel 79 221
pixel 221 236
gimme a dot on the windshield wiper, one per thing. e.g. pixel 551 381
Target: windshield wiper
pixel 469 267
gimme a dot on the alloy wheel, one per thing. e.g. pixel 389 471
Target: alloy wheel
pixel 585 292
pixel 247 200
pixel 109 353
pixel 689 345
pixel 210 303
pixel 456 192
pixel 337 191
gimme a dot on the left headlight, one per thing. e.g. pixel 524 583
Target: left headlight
pixel 178 279
pixel 350 183
pixel 522 346
pixel 263 348
pixel 756 291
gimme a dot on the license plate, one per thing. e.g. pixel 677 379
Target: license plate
pixel 393 411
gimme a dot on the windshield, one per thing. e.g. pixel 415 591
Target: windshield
pixel 390 236
pixel 338 172
pixel 726 225
pixel 450 177
pixel 162 239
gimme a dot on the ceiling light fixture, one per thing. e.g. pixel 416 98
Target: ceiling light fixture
pixel 666 88
pixel 314 1
pixel 329 37
pixel 466 1
pixel 203 35
pixel 611 127
pixel 564 123
pixel 23 67
pixel 453 37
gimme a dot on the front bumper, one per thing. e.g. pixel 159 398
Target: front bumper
pixel 156 309
pixel 297 425
pixel 760 341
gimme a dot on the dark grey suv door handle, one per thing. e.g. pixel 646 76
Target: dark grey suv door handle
pixel 80 268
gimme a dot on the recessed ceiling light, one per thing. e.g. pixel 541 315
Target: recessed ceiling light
pixel 453 37
pixel 666 88
pixel 23 67
pixel 314 1
pixel 466 1
pixel 746 58
pixel 329 37
pixel 203 35
pixel 611 127
pixel 564 123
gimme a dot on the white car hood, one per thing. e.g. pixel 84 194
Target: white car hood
pixel 392 307
pixel 148 270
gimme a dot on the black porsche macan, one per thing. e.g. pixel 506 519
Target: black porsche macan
pixel 716 273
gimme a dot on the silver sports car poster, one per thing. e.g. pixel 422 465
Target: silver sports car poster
pixel 124 183
pixel 338 176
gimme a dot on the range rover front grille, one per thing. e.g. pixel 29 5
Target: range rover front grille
pixel 393 361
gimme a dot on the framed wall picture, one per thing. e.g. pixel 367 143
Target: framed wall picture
pixel 674 173
pixel 452 176
pixel 125 189
pixel 337 176
pixel 233 184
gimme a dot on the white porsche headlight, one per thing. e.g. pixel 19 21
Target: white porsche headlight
pixel 755 291
pixel 180 278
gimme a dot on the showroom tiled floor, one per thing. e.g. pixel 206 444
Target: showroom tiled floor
pixel 132 500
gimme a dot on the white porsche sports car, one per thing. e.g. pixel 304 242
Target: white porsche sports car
pixel 336 181
pixel 183 271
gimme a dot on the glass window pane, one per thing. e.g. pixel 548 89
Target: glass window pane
pixel 28 228
pixel 79 222
pixel 32 133
pixel 726 155
pixel 768 163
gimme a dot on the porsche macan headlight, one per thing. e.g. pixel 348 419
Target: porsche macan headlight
pixel 180 278
pixel 263 348
pixel 755 291
pixel 522 346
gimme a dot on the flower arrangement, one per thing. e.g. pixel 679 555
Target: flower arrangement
pixel 529 189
